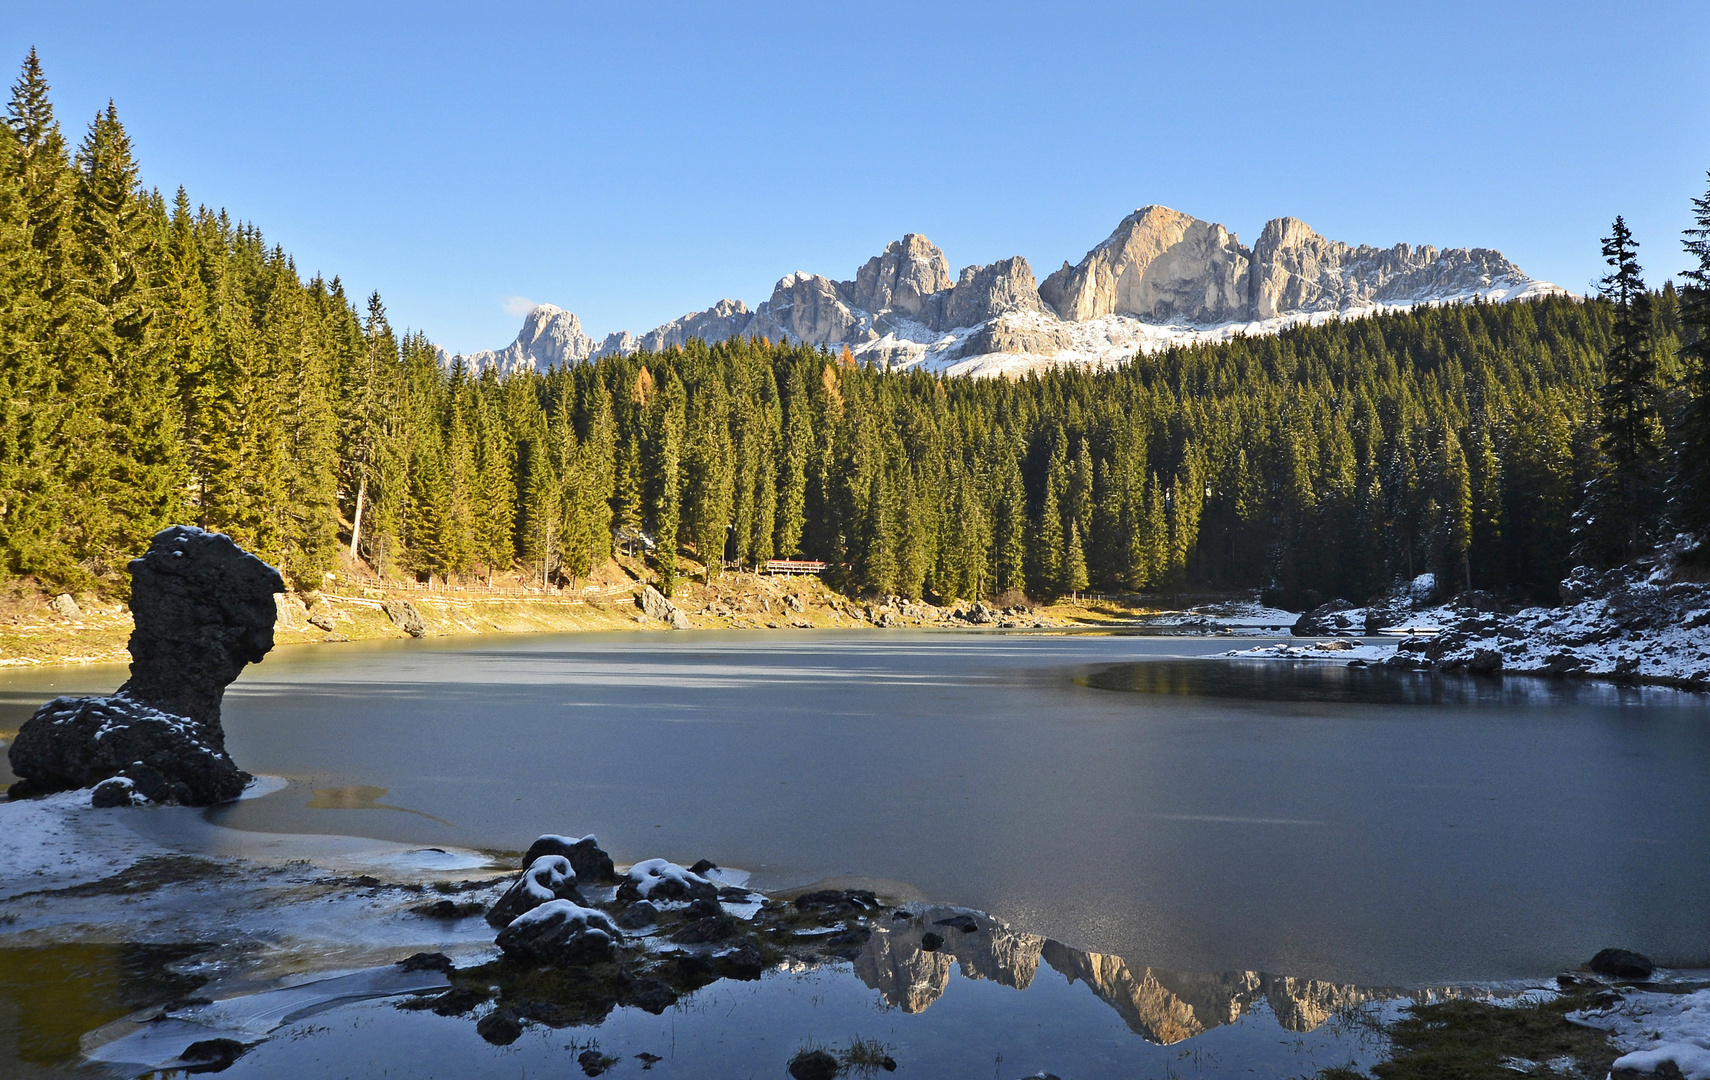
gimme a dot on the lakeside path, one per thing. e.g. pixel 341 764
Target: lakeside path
pixel 34 630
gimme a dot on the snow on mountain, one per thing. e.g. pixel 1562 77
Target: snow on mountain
pixel 1162 278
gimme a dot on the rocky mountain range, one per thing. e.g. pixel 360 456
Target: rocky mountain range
pixel 1161 278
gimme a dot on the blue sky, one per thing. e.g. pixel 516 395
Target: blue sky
pixel 636 161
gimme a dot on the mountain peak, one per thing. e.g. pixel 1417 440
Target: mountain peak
pixel 1161 277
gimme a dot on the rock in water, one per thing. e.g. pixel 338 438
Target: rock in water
pixel 1622 964
pixel 813 1065
pixel 585 855
pixel 560 932
pixel 203 609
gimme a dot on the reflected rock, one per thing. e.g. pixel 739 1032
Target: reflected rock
pixel 1301 1005
pixel 1169 1006
pixel 908 963
pixel 1151 1010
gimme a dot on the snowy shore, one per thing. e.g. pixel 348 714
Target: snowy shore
pixel 1647 623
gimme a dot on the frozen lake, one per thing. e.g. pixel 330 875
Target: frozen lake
pixel 1110 792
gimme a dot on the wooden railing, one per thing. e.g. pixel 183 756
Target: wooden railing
pixel 376 590
pixel 794 566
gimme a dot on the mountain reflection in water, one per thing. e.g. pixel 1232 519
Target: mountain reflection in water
pixel 1334 682
pixel 1163 1007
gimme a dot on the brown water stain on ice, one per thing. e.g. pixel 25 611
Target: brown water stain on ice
pixel 362 797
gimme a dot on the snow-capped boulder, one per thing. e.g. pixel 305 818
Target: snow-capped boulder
pixel 586 857
pixel 562 933
pixel 547 878
pixel 163 758
pixel 658 879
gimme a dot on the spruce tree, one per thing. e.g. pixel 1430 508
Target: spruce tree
pixel 1691 489
pixel 1619 508
pixel 51 429
pixel 1075 562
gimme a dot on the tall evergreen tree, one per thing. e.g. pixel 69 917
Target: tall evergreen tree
pixel 1691 489
pixel 1620 506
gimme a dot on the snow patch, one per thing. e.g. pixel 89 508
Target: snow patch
pixel 651 873
pixel 1655 1028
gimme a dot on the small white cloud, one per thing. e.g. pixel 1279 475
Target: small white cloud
pixel 519 305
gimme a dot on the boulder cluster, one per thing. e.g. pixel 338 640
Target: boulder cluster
pixel 1633 623
pixel 578 938
pixel 203 610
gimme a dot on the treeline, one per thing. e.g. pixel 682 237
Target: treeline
pixel 162 364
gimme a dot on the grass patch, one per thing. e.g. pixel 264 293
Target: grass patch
pixel 866 1057
pixel 1479 1040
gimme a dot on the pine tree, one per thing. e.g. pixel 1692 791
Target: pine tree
pixel 1074 562
pixel 792 478
pixel 1691 489
pixel 1619 508
pixel 49 429
pixel 666 509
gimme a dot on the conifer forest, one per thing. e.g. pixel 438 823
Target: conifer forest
pixel 162 362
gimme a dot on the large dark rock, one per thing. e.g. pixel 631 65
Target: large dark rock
pixel 548 878
pixel 813 1065
pixel 203 609
pixel 1327 619
pixel 1622 964
pixel 560 933
pixel 586 858
pixel 81 742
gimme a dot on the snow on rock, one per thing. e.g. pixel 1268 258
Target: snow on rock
pixel 560 932
pixel 204 609
pixel 1635 622
pixel 1657 1028
pixel 586 857
pixel 548 878
pixel 658 879
pixel 1336 650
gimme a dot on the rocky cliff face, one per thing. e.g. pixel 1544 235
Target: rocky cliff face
pixel 722 321
pixel 550 337
pixel 1294 269
pixel 1161 278
pixel 900 280
pixel 1158 265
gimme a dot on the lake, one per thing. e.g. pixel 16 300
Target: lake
pixel 1118 794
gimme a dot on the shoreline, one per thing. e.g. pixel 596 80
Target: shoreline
pixel 34 634
pixel 308 923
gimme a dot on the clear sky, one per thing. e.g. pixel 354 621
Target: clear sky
pixel 636 161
